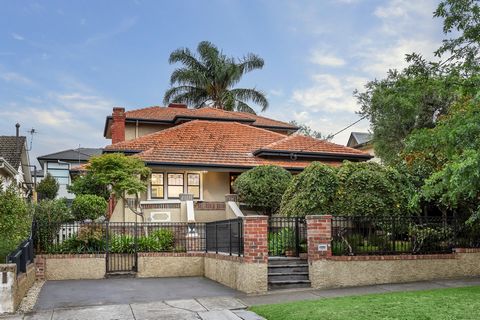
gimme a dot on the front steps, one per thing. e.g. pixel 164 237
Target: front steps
pixel 287 273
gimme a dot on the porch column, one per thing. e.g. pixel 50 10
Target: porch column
pixel 319 237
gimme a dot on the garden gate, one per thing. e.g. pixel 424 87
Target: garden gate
pixel 287 236
pixel 121 251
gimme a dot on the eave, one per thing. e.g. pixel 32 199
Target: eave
pixel 311 155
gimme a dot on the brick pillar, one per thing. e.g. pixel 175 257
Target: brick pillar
pixel 255 229
pixel 40 265
pixel 118 125
pixel 319 237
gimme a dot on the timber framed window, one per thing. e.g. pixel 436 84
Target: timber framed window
pixel 157 186
pixel 193 184
pixel 174 185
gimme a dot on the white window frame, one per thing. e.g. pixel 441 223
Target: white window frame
pixel 165 185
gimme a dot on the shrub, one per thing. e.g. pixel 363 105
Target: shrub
pixel 311 191
pixel 48 187
pixel 281 241
pixel 88 206
pixel 371 189
pixel 15 220
pixel 89 239
pixel 165 239
pixel 263 187
pixel 49 215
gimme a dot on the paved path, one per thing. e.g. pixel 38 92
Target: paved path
pixel 230 307
pixel 81 293
pixel 212 308
pixel 281 296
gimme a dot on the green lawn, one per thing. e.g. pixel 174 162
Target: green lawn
pixel 454 303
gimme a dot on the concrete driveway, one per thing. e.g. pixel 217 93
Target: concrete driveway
pixel 80 293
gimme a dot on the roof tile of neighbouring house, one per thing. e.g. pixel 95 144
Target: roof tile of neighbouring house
pixel 221 143
pixel 170 114
pixel 11 148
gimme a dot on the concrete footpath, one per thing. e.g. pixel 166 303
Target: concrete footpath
pixel 227 307
pixel 212 308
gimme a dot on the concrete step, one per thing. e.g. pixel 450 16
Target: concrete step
pixel 288 276
pixel 121 274
pixel 287 268
pixel 274 261
pixel 288 284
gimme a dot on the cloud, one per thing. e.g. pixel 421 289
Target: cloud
pixel 18 37
pixel 275 92
pixel 326 59
pixel 124 26
pixel 15 77
pixel 330 93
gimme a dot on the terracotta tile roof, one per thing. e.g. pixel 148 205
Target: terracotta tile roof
pixel 217 143
pixel 171 114
pixel 300 143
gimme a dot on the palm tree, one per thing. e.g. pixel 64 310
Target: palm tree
pixel 208 79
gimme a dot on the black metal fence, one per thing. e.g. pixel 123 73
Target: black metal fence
pixel 22 256
pixel 225 236
pixel 360 235
pixel 118 237
pixel 287 236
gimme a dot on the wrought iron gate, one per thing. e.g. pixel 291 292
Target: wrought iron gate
pixel 121 247
pixel 287 236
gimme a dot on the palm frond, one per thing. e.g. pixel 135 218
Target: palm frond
pixel 253 95
pixel 250 62
pixel 187 76
pixel 243 107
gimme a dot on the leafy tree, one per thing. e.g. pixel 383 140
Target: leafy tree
pixel 311 192
pixel 52 212
pixel 86 184
pixel 371 189
pixel 88 206
pixel 263 187
pixel 448 156
pixel 307 131
pixel 48 187
pixel 462 20
pixel 15 220
pixel 124 175
pixel 209 79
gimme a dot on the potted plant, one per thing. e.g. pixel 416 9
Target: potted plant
pixel 289 251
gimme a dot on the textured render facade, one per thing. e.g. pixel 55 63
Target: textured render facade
pixel 202 151
pixel 327 271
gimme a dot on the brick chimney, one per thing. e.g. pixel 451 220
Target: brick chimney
pixel 118 125
pixel 177 105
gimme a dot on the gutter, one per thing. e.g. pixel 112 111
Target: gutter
pixel 312 155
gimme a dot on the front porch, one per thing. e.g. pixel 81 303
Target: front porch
pixel 182 196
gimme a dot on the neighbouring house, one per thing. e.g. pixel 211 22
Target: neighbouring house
pixel 363 141
pixel 196 154
pixel 15 163
pixel 58 165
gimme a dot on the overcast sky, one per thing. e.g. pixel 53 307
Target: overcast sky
pixel 65 64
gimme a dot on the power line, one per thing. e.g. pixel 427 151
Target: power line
pixel 352 124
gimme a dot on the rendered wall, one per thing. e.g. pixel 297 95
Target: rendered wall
pixel 360 271
pixel 170 265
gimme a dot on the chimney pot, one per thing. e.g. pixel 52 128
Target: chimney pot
pixel 17 127
pixel 177 105
pixel 118 124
